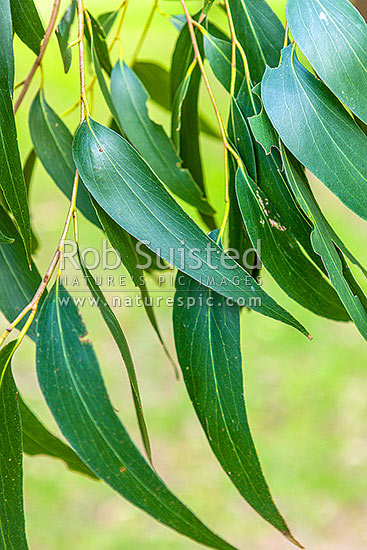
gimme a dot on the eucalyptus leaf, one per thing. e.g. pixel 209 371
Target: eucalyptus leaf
pixel 127 189
pixel 27 23
pixel 332 33
pixel 107 19
pixel 37 440
pixel 259 32
pixel 63 35
pixel 282 255
pixel 5 240
pixel 12 532
pixel 129 98
pixel 18 283
pixel 261 127
pixel 318 130
pixel 207 337
pixel 73 387
pixel 6 48
pixel 323 238
pixel 207 5
pixel 118 335
pixel 11 174
pixel 52 141
pixel 100 45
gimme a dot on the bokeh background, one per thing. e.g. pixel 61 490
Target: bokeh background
pixel 306 400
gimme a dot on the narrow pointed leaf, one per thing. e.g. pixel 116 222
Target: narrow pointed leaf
pixel 27 23
pixel 282 255
pixel 28 170
pixel 207 337
pixel 318 130
pixel 72 384
pixel 100 45
pixel 12 524
pixel 219 54
pixel 18 283
pixel 261 127
pixel 37 440
pixel 52 141
pixel 107 19
pixel 333 33
pixel 260 33
pixel 118 335
pixel 323 238
pixel 11 174
pixel 129 99
pixel 126 246
pixel 63 35
pixel 6 48
pixel 127 189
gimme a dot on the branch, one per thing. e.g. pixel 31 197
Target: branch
pixel 48 33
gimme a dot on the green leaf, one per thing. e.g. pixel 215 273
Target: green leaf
pixel 318 130
pixel 207 5
pixel 5 240
pixel 37 440
pixel 6 48
pixel 52 141
pixel 12 530
pixel 11 174
pixel 127 189
pixel 281 254
pixel 323 239
pixel 129 99
pixel 118 335
pixel 27 23
pixel 18 284
pixel 107 19
pixel 332 33
pixel 207 337
pixel 155 80
pixel 72 384
pixel 63 35
pixel 28 169
pixel 219 54
pixel 259 32
pixel 261 127
pixel 126 246
pixel 99 41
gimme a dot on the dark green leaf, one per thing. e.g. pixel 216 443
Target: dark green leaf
pixel 6 48
pixel 219 54
pixel 11 174
pixel 129 99
pixel 52 141
pixel 207 337
pixel 259 32
pixel 27 23
pixel 281 254
pixel 261 127
pixel 99 41
pixel 28 169
pixel 332 33
pixel 318 130
pixel 18 283
pixel 37 440
pixel 107 19
pixel 123 346
pixel 12 530
pixel 126 246
pixel 323 238
pixel 155 80
pixel 71 382
pixel 127 189
pixel 5 240
pixel 63 35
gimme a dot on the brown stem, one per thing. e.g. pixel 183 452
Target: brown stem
pixel 48 33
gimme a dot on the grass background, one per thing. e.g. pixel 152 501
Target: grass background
pixel 306 400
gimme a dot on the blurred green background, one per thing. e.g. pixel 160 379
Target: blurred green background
pixel 306 400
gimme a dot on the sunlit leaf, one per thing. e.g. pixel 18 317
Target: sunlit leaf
pixel 73 387
pixel 27 23
pixel 129 99
pixel 12 525
pixel 333 36
pixel 317 129
pixel 127 189
pixel 37 440
pixel 63 35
